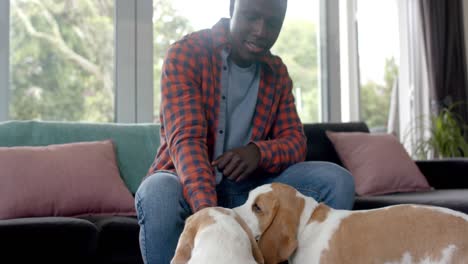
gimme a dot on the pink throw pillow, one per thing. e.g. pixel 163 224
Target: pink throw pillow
pixel 73 179
pixel 378 162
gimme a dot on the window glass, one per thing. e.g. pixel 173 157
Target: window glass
pixel 378 48
pixel 298 47
pixel 62 60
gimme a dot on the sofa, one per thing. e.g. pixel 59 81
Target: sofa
pixel 114 238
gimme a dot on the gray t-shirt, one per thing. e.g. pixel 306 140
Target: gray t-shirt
pixel 237 108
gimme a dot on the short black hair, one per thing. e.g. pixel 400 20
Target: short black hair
pixel 232 2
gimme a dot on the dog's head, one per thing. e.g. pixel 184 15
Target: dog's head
pixel 200 220
pixel 273 212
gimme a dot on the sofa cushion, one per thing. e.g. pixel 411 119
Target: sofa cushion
pixel 62 180
pixel 136 144
pixel 47 240
pixel 456 199
pixel 378 163
pixel 118 239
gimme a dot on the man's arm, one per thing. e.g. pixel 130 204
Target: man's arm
pixel 186 125
pixel 287 144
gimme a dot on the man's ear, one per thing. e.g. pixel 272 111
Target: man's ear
pixel 278 242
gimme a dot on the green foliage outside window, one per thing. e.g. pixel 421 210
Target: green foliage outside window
pixel 297 46
pixel 62 61
pixel 375 98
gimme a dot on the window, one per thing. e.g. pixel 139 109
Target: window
pixel 298 47
pixel 378 49
pixel 100 61
pixel 62 60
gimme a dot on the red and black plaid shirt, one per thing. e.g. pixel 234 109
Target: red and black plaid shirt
pixel 190 95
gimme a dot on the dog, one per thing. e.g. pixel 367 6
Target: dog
pixel 216 235
pixel 294 227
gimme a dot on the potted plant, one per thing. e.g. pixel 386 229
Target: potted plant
pixel 446 136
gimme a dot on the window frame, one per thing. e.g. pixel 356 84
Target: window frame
pixel 144 59
pixel 4 59
pixel 133 60
pixel 125 61
pixel 330 68
pixel 350 87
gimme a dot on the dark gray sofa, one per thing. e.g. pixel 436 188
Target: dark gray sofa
pixel 115 239
pixel 448 177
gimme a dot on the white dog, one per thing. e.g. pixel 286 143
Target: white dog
pixel 295 227
pixel 216 235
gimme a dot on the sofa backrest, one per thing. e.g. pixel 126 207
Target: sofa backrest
pixel 136 144
pixel 319 147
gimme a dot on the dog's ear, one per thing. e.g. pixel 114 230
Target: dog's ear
pixel 185 245
pixel 257 254
pixel 278 242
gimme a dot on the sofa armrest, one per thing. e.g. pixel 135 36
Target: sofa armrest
pixel 445 173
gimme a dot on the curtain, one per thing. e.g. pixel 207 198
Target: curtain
pixel 412 95
pixel 442 23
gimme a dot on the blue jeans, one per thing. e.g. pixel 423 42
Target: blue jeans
pixel 162 210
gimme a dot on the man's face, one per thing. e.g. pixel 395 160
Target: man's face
pixel 255 26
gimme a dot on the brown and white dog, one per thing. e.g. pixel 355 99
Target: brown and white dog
pixel 295 227
pixel 216 235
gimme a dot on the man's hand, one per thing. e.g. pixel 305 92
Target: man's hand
pixel 237 164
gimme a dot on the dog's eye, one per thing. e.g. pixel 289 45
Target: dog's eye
pixel 256 208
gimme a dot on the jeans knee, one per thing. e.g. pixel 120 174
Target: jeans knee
pixel 158 186
pixel 343 187
pixel 160 215
pixel 336 183
pixel 327 171
pixel 342 177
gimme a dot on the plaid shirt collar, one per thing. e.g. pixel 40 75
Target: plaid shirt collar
pixel 220 34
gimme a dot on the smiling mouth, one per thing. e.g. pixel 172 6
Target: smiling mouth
pixel 253 47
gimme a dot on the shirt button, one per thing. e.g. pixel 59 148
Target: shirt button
pixel 221 132
pixel 223 97
pixel 224 68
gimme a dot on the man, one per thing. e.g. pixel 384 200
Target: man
pixel 228 124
